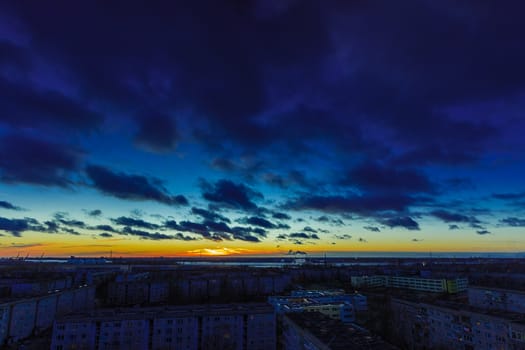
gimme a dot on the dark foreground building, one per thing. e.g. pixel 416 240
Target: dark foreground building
pixel 316 331
pixel 196 327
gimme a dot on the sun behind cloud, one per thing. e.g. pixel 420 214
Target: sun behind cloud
pixel 219 251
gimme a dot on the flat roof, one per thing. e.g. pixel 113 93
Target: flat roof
pixel 335 334
pixel 514 291
pixel 507 315
pixel 160 312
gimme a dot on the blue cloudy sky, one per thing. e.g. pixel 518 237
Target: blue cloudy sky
pixel 261 127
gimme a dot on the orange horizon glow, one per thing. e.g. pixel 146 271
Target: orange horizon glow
pixel 36 245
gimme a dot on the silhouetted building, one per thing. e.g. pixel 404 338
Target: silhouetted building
pixel 334 304
pixel 445 325
pixel 497 299
pixel 22 318
pixel 227 326
pixel 435 285
pixel 315 331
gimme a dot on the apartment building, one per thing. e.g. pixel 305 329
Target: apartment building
pixel 315 331
pixel 434 285
pixel 22 318
pixel 336 305
pixel 227 326
pixel 497 299
pixel 445 325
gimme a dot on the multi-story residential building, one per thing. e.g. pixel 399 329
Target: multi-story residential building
pixel 228 326
pixel 435 285
pixel 359 301
pixel 371 281
pixel 497 299
pixel 315 331
pixel 445 325
pixel 137 292
pixel 334 304
pixel 22 318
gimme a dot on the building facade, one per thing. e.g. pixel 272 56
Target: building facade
pixel 455 326
pixel 434 285
pixel 334 304
pixel 497 299
pixel 20 319
pixel 228 326
pixel 316 331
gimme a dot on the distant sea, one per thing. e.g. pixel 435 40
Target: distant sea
pixel 336 258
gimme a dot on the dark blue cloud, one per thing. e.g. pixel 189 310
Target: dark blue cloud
pixel 293 178
pixel 343 237
pixel 295 252
pixel 209 215
pixel 281 216
pixel 372 228
pixel 94 213
pixel 14 226
pixel 64 219
pixel 132 222
pixel 8 205
pixel 104 228
pixel 302 109
pixel 434 154
pixel 513 222
pixel 105 235
pixel 214 226
pixel 376 177
pixel 262 222
pixel 131 187
pixel 18 226
pixel 238 96
pixel 25 159
pixel 52 226
pixel 157 133
pixel 153 235
pixel 509 196
pixel 448 216
pixel 404 222
pixel 352 204
pixel 215 231
pixel 223 164
pixel 248 234
pixel 24 105
pixel 230 194
pixel 303 235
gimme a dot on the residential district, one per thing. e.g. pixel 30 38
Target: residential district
pixel 203 304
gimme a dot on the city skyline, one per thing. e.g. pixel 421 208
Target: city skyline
pixel 261 128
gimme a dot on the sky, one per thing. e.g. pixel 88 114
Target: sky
pixel 243 127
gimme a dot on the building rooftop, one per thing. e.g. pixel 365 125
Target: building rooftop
pixel 336 335
pixel 169 312
pixel 507 315
pixel 514 291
